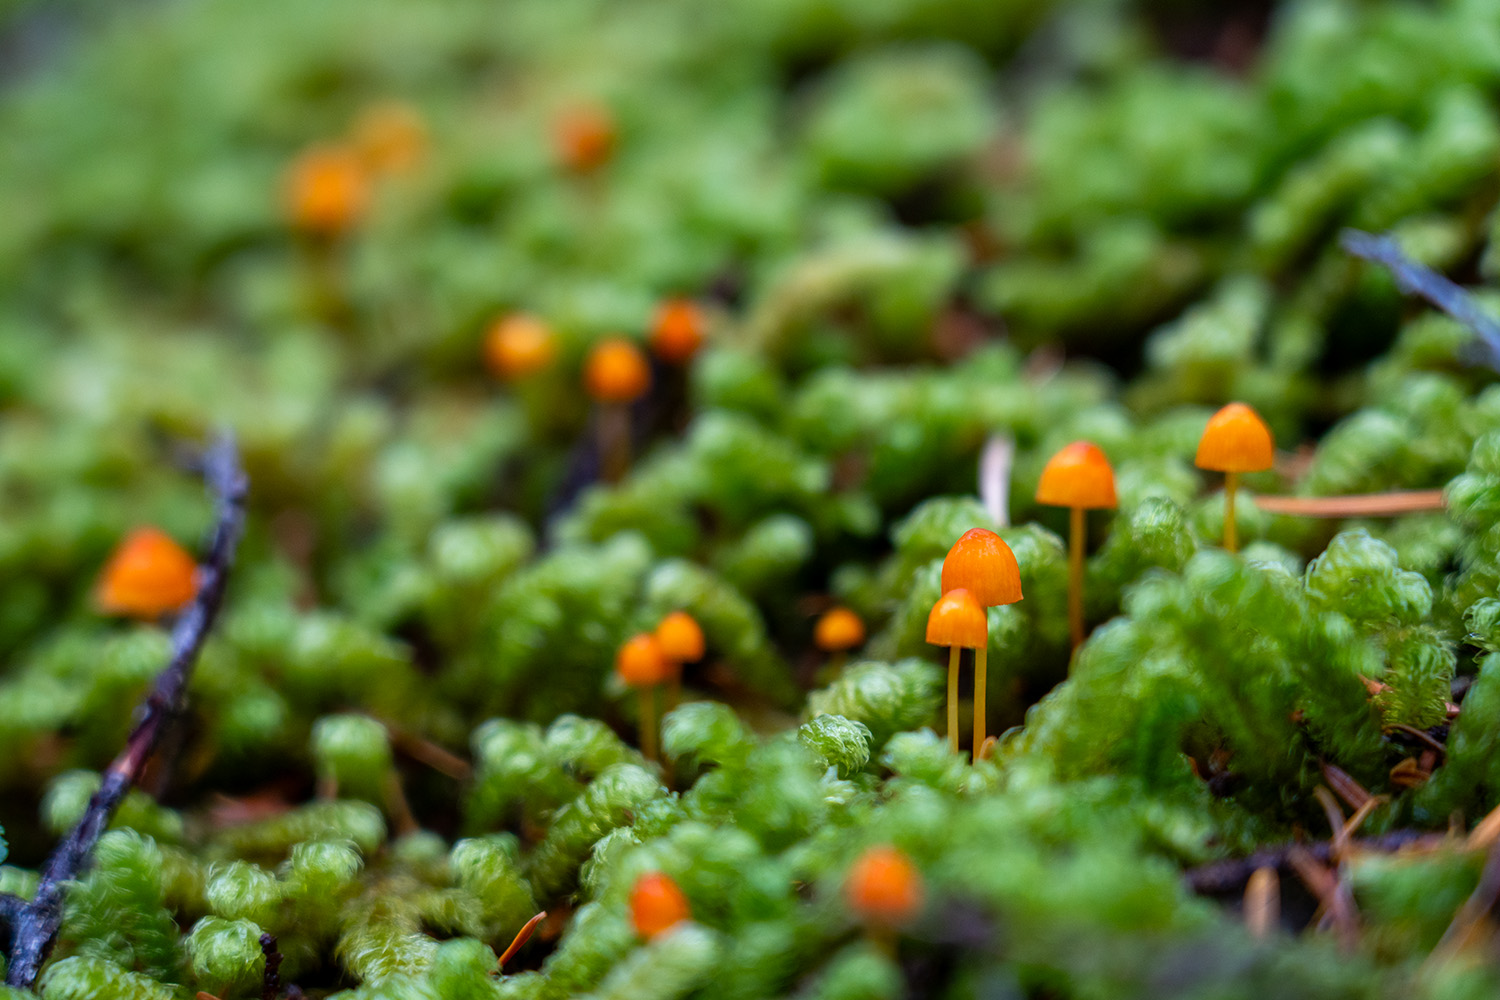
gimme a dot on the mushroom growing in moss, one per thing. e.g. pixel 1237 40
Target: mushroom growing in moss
pixel 682 641
pixel 519 345
pixel 583 137
pixel 657 905
pixel 148 575
pixel 677 331
pixel 391 138
pixel 642 665
pixel 981 563
pixel 838 630
pixel 1236 440
pixel 327 191
pixel 884 891
pixel 616 374
pixel 957 621
pixel 1079 478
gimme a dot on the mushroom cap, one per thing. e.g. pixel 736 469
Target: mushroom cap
pixel 657 905
pixel 583 137
pixel 1079 475
pixel 883 886
pixel 616 371
pixel 641 662
pixel 148 575
pixel 519 345
pixel 957 619
pixel 677 330
pixel 1235 440
pixel 391 137
pixel 326 190
pixel 981 563
pixel 838 629
pixel 681 638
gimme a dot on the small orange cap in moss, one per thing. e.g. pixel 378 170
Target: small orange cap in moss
pixel 391 138
pixel 657 905
pixel 981 563
pixel 1235 440
pixel 883 887
pixel 681 638
pixel 148 575
pixel 641 662
pixel 519 345
pixel 839 629
pixel 583 137
pixel 327 190
pixel 616 371
pixel 1078 476
pixel 677 330
pixel 957 619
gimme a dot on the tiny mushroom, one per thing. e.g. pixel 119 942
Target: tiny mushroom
pixel 148 575
pixel 1236 440
pixel 883 888
pixel 837 631
pixel 583 137
pixel 642 665
pixel 682 641
pixel 616 374
pixel 657 905
pixel 677 331
pixel 391 138
pixel 981 563
pixel 1078 477
pixel 327 191
pixel 519 345
pixel 959 622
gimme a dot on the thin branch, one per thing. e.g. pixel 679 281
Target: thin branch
pixel 1354 505
pixel 1230 875
pixel 35 924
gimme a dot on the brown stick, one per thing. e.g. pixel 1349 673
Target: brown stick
pixel 1354 505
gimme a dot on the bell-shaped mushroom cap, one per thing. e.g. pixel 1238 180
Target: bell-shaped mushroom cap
pixel 957 619
pixel 148 575
pixel 519 345
pixel 657 905
pixel 1235 440
pixel 616 372
pixel 838 629
pixel 981 563
pixel 883 887
pixel 1079 475
pixel 326 190
pixel 677 330
pixel 681 638
pixel 641 662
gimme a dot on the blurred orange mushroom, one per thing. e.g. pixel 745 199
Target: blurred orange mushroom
pixel 615 374
pixel 148 576
pixel 1078 477
pixel 519 345
pixel 837 631
pixel 1236 440
pixel 682 642
pixel 958 622
pixel 327 191
pixel 391 138
pixel 657 905
pixel 642 665
pixel 677 330
pixel 883 888
pixel 583 137
pixel 981 563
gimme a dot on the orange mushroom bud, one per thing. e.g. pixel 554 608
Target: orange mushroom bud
pixel 677 331
pixel 1079 475
pixel 148 575
pixel 681 638
pixel 326 191
pixel 583 137
pixel 657 905
pixel 391 138
pixel 837 630
pixel 958 620
pixel 1235 440
pixel 519 345
pixel 641 662
pixel 616 372
pixel 981 563
pixel 883 887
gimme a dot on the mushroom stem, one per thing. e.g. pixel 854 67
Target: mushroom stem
pixel 979 699
pixel 674 689
pixel 1231 539
pixel 1076 538
pixel 953 654
pixel 614 441
pixel 647 721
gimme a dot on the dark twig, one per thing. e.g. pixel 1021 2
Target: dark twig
pixel 1230 876
pixel 35 924
pixel 1415 279
pixel 270 984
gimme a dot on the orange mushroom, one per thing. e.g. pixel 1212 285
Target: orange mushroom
pixel 327 191
pixel 657 905
pixel 583 137
pixel 837 631
pixel 682 642
pixel 883 887
pixel 148 576
pixel 1077 477
pixel 981 563
pixel 958 622
pixel 519 345
pixel 391 138
pixel 1236 440
pixel 677 331
pixel 616 374
pixel 642 665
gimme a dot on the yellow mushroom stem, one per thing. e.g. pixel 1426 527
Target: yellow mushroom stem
pixel 979 702
pixel 1076 538
pixel 1231 483
pixel 647 694
pixel 953 654
pixel 614 441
